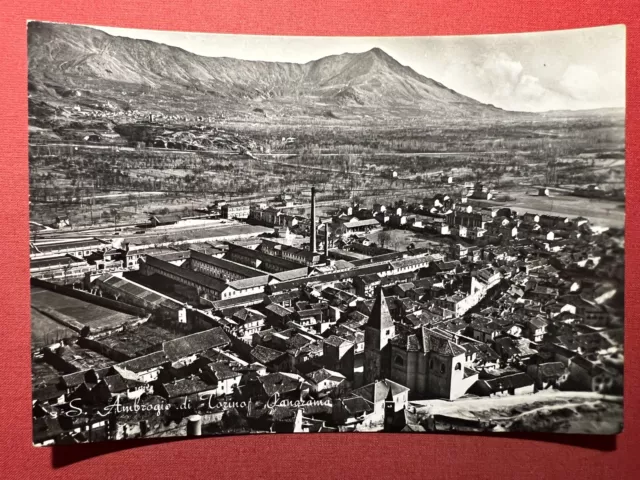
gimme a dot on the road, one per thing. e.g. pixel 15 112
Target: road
pixel 119 148
pixel 479 404
pixel 195 232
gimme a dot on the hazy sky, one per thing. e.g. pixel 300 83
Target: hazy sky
pixel 569 69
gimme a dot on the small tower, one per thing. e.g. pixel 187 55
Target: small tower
pixel 394 417
pixel 377 333
pixel 389 412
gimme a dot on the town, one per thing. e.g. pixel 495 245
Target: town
pixel 342 243
pixel 313 324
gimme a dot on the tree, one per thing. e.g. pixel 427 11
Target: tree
pixel 134 199
pixel 383 238
pixel 116 216
pixel 66 269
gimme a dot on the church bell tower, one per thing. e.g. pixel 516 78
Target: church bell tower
pixel 377 333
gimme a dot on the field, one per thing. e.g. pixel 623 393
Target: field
pixel 602 212
pixel 370 162
pixel 43 327
pixel 228 229
pixel 183 232
pixel 45 330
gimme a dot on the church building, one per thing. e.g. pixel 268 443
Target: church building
pixel 429 362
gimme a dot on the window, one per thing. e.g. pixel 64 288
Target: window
pixel 442 368
pixel 458 366
pixel 398 361
pixel 431 364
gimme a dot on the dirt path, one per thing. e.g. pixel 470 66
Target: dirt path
pixel 478 404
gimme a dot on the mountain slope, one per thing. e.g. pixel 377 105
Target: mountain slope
pixel 70 54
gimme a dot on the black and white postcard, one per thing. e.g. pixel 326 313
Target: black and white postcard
pixel 235 234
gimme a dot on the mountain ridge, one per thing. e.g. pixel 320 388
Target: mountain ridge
pixel 70 54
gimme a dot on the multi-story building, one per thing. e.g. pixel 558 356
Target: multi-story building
pixel 235 211
pixel 470 220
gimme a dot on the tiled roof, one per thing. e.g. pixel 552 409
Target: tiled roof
pixel 280 382
pixel 47 393
pixel 362 223
pixel 387 257
pixel 291 274
pixel 405 287
pixel 336 341
pixel 228 265
pixel 195 343
pixel 252 282
pixel 324 374
pixel 378 391
pixel 117 384
pixel 214 284
pixel 298 341
pixel 145 362
pixel 222 370
pixel 278 310
pixel 357 405
pixel 246 300
pixel 380 317
pixel 329 277
pixel 74 379
pixel 186 386
pixel 283 297
pixel 245 315
pixel 538 322
pixel 55 261
pixel 139 291
pixel 369 279
pixel 516 380
pixel 265 257
pixel 266 355
pixel 75 244
pixel 410 262
pixel 551 370
pixel 439 343
pixel 410 342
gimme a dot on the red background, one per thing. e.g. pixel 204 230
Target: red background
pixel 293 456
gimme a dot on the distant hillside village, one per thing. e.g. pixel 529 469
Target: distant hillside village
pixel 319 326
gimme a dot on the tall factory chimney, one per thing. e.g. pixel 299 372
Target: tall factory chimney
pixel 312 247
pixel 326 240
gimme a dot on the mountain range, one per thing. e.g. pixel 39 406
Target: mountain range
pixel 72 55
